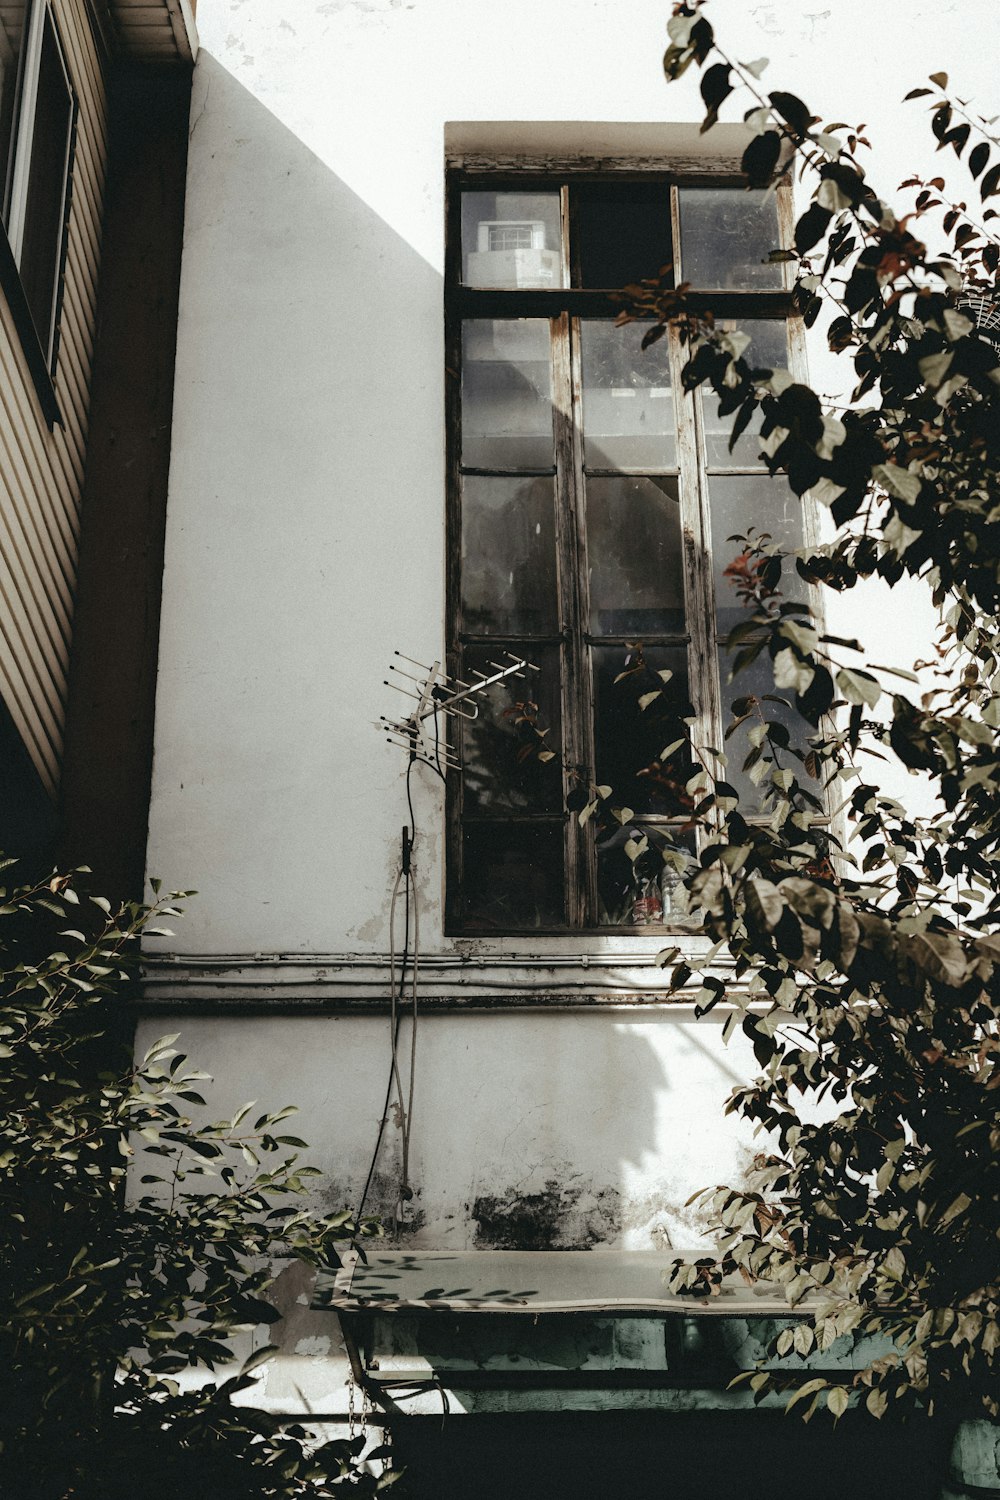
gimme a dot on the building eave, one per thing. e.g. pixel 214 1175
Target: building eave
pixel 158 32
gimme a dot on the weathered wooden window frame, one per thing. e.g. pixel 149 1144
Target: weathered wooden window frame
pixel 564 307
pixel 41 353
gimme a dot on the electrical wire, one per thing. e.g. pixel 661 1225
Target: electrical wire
pixel 397 994
pixel 406 1105
pixel 407 1122
pixel 396 1023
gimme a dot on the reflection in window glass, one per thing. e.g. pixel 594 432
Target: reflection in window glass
pixel 726 237
pixel 513 875
pixel 634 556
pixel 622 232
pixel 501 772
pixel 765 504
pixel 512 240
pixel 756 680
pixel 628 410
pixel 506 394
pixel 630 738
pixel 11 34
pixel 508 556
pixel 768 349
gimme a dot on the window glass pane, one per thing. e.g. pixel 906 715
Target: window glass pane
pixel 41 246
pixel 513 875
pixel 768 349
pixel 628 409
pixel 755 681
pixel 622 232
pixel 726 236
pixel 630 739
pixel 501 770
pixel 512 240
pixel 739 503
pixel 11 33
pixel 634 556
pixel 649 890
pixel 506 394
pixel 508 556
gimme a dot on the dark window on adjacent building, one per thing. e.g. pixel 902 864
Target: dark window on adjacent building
pixel 591 502
pixel 37 115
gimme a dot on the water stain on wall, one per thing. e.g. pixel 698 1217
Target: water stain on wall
pixel 382 1203
pixel 558 1217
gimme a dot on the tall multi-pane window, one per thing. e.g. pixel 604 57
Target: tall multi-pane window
pixel 592 500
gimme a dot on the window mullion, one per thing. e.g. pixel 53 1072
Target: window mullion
pixel 699 600
pixel 577 696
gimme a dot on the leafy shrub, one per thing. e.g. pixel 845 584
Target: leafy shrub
pixel 107 1296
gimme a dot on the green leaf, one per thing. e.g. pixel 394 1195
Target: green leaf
pixel 809 1388
pixel 715 89
pixel 761 158
pixel 957 1207
pixel 791 108
pixel 259 1357
pixel 811 227
pixel 877 1403
pixel 858 687
pixel 897 480
pixel 838 1400
pixel 978 158
pixel 990 183
pixel 940 956
pixel 894 1264
pixel 933 369
pixel 790 671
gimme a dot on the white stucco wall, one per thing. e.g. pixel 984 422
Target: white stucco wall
pixel 305 543
pixel 305 534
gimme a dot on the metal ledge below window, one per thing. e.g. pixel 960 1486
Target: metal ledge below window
pixel 516 1331
pixel 626 1283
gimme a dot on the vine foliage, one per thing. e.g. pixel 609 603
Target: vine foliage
pixel 117 1308
pixel 867 938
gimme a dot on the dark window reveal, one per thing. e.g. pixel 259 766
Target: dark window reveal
pixel 45 197
pixel 37 114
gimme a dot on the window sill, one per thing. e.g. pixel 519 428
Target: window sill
pixel 41 375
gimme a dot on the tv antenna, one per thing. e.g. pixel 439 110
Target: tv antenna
pixel 434 692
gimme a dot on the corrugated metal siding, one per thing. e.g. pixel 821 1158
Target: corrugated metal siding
pixel 41 472
pixel 160 31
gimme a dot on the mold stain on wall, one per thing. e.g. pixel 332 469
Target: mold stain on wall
pixel 558 1217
